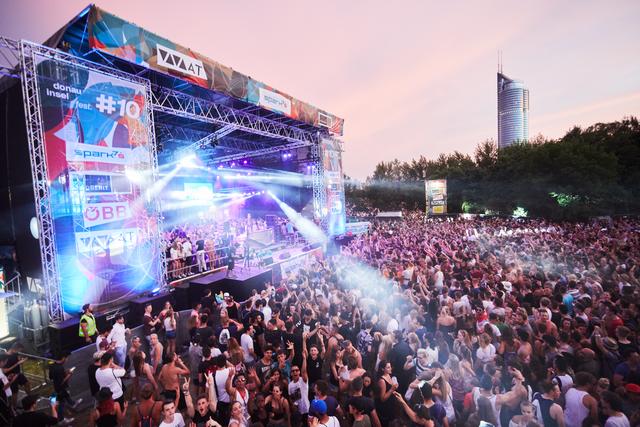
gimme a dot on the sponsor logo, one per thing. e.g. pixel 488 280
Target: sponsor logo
pixel 95 153
pixel 103 213
pixel 274 101
pixel 180 62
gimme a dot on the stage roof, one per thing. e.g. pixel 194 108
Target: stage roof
pixel 95 31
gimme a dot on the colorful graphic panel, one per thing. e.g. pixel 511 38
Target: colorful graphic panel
pixel 123 39
pixel 334 185
pixel 99 163
pixel 436 193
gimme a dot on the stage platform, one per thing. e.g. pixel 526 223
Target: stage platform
pixel 240 283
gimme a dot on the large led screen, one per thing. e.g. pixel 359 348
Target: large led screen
pixel 99 164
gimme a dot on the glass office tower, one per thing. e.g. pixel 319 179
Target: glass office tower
pixel 513 111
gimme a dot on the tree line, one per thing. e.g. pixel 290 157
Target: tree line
pixel 588 172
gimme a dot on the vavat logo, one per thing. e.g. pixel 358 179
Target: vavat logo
pixel 180 62
pixel 95 153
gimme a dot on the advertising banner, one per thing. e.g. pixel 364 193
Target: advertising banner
pixel 334 185
pixel 357 228
pixel 293 265
pixel 128 41
pixel 436 194
pixel 96 136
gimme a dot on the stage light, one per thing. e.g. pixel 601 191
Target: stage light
pixel 310 231
pixel 233 164
pixel 244 162
pixel 134 175
pixel 33 227
pixel 221 167
pixel 188 162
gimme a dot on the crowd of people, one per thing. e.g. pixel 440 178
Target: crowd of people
pixel 479 322
pixel 195 248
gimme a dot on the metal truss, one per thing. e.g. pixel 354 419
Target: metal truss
pixel 41 190
pixel 158 235
pixel 183 105
pixel 170 132
pixel 41 186
pixel 220 133
pixel 158 99
pixel 10 64
pixel 319 186
pixel 260 152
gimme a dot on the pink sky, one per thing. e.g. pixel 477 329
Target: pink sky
pixel 416 78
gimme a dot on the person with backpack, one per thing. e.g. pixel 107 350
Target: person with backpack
pixel 149 411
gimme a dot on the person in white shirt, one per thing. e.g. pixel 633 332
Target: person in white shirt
pixel 612 408
pixel 171 418
pixel 110 375
pixel 186 254
pixel 438 278
pixel 118 336
pixel 486 352
pixel 246 341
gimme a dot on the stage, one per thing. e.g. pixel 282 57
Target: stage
pixel 240 283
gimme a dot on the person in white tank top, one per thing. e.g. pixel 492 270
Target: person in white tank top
pixel 579 404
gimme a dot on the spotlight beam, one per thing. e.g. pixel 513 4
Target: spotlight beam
pixel 311 232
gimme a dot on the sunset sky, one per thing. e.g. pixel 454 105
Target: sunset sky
pixel 408 77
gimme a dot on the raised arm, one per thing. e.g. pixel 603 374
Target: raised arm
pixel 228 385
pixel 187 399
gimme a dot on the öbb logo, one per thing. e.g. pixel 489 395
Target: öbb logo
pixel 101 213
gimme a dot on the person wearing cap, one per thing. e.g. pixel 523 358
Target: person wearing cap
pixel 107 413
pixel 608 348
pixel 32 418
pixel 318 415
pixel 232 307
pixel 94 387
pixel 87 329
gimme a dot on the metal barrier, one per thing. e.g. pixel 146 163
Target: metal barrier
pixel 36 369
pixel 192 269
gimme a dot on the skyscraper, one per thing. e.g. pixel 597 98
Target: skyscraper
pixel 513 111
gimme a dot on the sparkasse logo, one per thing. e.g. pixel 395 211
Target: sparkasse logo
pixel 77 152
pixel 89 154
pixel 180 62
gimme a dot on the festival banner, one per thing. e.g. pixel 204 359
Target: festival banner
pixel 357 228
pixel 96 135
pixel 334 187
pixel 436 195
pixel 125 40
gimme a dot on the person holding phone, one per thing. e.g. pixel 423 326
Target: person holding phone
pixel 60 377
pixel 32 418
